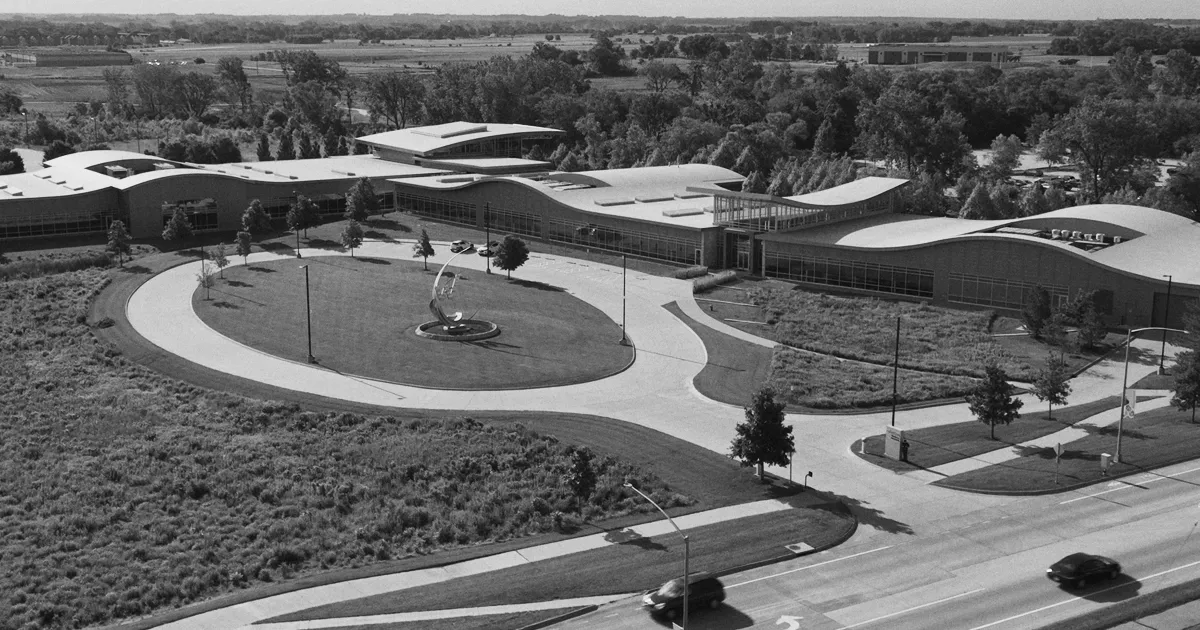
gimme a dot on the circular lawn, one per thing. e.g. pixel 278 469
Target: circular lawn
pixel 365 312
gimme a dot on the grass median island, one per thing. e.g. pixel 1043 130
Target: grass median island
pixel 632 564
pixel 365 311
pixel 510 621
pixel 125 492
pixel 934 446
pixel 1152 439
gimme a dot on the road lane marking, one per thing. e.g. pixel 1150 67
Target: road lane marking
pixel 1073 599
pixel 1123 486
pixel 811 566
pixel 908 610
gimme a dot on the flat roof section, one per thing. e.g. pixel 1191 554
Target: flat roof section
pixel 52 182
pixel 856 191
pixel 422 141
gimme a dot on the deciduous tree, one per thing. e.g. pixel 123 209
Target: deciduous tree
pixel 511 254
pixel 992 402
pixel 118 241
pixel 1107 138
pixel 220 259
pixel 395 96
pixel 763 438
pixel 1052 385
pixel 243 246
pixel 302 214
pixel 255 219
pixel 178 227
pixel 352 236
pixel 423 248
pixel 1187 381
pixel 1037 311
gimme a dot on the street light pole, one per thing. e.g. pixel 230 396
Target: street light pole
pixel 686 550
pixel 624 340
pixel 896 371
pixel 1162 357
pixel 308 313
pixel 25 115
pixel 487 236
pixel 1125 379
pixel 299 219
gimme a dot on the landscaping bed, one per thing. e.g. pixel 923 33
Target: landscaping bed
pixel 1152 439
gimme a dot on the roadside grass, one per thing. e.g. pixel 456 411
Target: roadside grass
pixel 1152 439
pixel 1133 609
pixel 511 621
pixel 735 368
pixel 365 313
pixel 126 493
pixel 934 339
pixel 631 565
pixel 934 446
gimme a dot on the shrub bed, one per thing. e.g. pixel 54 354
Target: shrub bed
pixel 700 285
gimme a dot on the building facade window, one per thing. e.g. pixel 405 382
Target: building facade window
pixel 514 222
pixel 441 209
pixel 201 213
pixel 646 244
pixel 49 224
pixel 998 292
pixel 850 273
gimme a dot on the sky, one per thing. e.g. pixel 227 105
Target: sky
pixel 959 9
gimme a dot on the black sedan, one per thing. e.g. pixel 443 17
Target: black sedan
pixel 1078 569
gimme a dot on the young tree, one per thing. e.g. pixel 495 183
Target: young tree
pixel 581 476
pixel 255 219
pixel 993 402
pixel 178 227
pixel 511 254
pixel 243 246
pixel 118 241
pixel 1052 385
pixel 362 195
pixel 1036 311
pixel 1092 330
pixel 352 236
pixel 423 248
pixel 763 438
pixel 220 260
pixel 1187 382
pixel 302 215
pixel 205 277
pixel 1006 155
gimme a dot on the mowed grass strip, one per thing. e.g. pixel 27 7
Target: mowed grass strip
pixel 508 621
pixel 735 368
pixel 934 446
pixel 1153 439
pixel 630 565
pixel 365 312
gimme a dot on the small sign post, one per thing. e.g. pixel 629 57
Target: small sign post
pixel 1058 451
pixel 891 442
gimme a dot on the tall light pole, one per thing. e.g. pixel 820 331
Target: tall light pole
pixel 624 340
pixel 487 236
pixel 686 549
pixel 25 115
pixel 1162 357
pixel 308 313
pixel 896 371
pixel 296 207
pixel 1125 379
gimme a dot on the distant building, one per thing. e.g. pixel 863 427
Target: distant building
pixel 908 54
pixel 67 57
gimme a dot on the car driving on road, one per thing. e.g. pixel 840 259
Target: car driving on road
pixel 667 600
pixel 458 246
pixel 1078 569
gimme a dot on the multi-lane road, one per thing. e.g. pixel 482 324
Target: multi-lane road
pixel 985 570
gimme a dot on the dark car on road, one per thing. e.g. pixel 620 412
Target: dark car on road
pixel 667 600
pixel 1078 569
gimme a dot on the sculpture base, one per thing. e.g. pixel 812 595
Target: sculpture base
pixel 465 330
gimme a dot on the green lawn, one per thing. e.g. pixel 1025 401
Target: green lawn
pixel 1151 440
pixel 511 621
pixel 934 446
pixel 629 566
pixel 365 312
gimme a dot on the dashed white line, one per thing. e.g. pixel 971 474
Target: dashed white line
pixel 908 610
pixel 811 566
pixel 1124 486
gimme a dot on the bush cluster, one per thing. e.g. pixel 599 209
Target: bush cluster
pixel 700 285
pixel 36 267
pixel 123 492
pixel 690 272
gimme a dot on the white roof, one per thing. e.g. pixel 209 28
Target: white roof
pixel 53 181
pixel 852 192
pixel 91 159
pixel 425 140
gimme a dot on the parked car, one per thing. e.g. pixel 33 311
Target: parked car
pixel 667 600
pixel 1078 569
pixel 458 246
pixel 490 250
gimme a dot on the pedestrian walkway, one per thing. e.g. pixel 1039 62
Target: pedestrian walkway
pixel 1065 436
pixel 243 615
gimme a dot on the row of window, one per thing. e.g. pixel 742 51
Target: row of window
pixel 512 222
pixel 998 292
pixel 441 209
pixel 49 225
pixel 201 221
pixel 674 249
pixel 848 273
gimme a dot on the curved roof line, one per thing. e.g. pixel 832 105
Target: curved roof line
pixel 424 141
pixel 94 159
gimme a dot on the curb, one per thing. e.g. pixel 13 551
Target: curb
pixel 578 612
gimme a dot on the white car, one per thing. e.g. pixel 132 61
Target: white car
pixel 458 246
